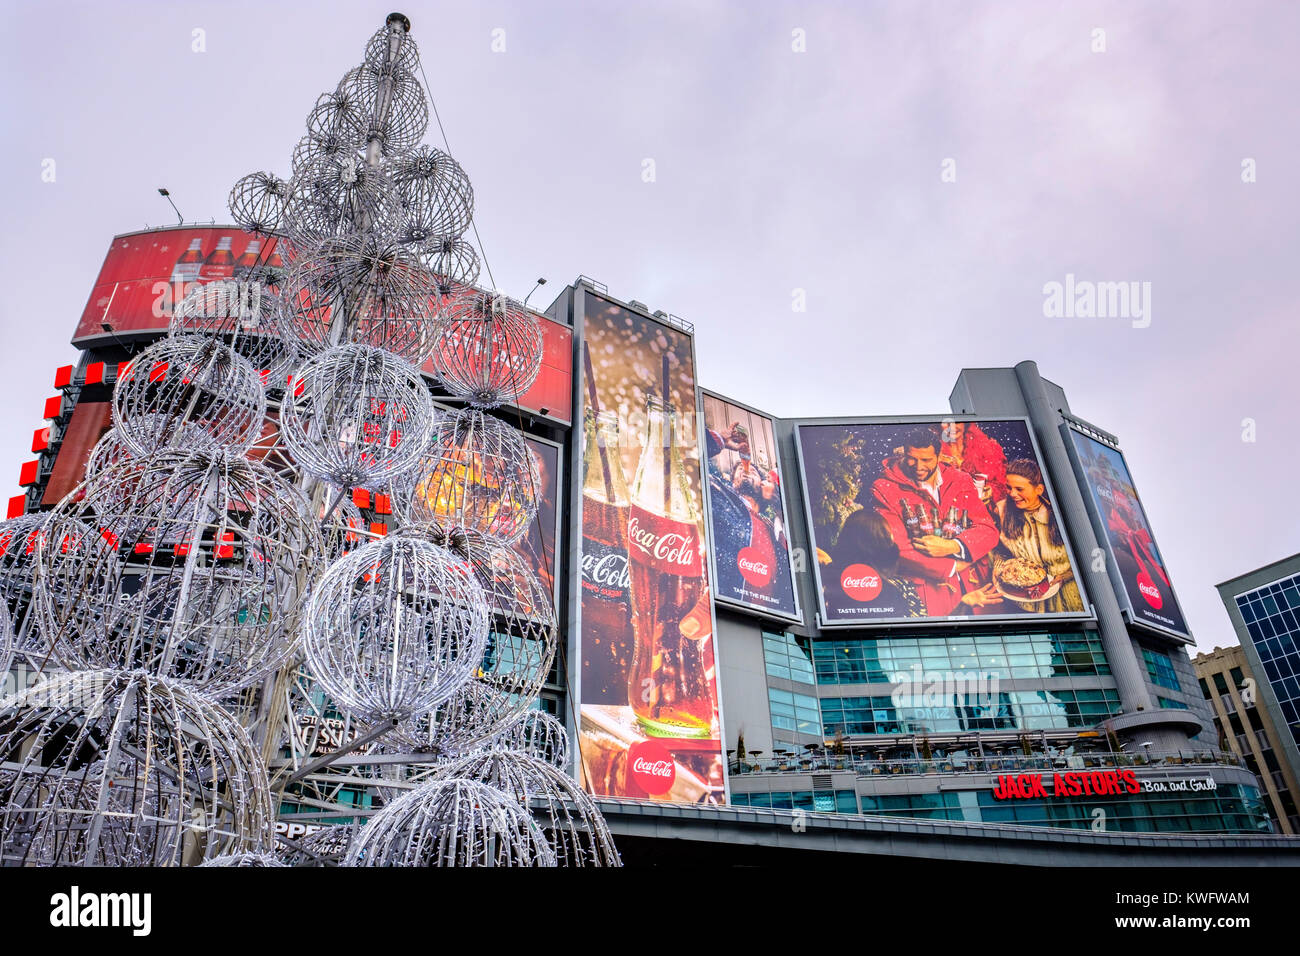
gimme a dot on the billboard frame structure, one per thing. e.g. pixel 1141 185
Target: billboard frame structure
pixel 731 603
pixel 578 291
pixel 1117 585
pixel 1002 620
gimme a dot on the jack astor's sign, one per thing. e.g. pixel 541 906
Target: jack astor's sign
pixel 1095 783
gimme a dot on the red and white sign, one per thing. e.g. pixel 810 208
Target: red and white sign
pixel 861 582
pixel 1150 593
pixel 651 766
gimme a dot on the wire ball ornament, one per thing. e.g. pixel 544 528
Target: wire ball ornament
pixel 359 290
pixel 244 859
pixel 357 416
pixel 452 822
pixel 247 316
pixel 477 473
pixel 114 768
pixel 337 195
pixel 393 102
pixel 394 628
pixel 379 57
pixel 488 348
pixel 435 194
pixel 256 202
pixel 454 263
pixel 522 639
pixel 336 124
pixel 570 821
pixel 188 391
pixel 538 734
pixel 197 573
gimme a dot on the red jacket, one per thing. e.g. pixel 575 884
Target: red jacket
pixel 937 585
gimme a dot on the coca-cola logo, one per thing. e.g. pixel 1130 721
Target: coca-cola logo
pixel 1150 593
pixel 754 569
pixel 860 582
pixel 674 550
pixel 651 767
pixel 608 571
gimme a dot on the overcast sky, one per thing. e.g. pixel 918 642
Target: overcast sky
pixel 775 170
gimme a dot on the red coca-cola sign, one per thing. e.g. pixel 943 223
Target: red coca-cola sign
pixel 652 767
pixel 667 546
pixel 755 566
pixel 860 582
pixel 1150 593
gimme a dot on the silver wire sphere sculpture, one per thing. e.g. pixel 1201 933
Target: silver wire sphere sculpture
pixel 538 734
pixel 455 727
pixel 338 195
pixel 336 124
pixel 571 822
pixel 113 768
pixel 488 349
pixel 196 573
pixel 357 416
pixel 394 628
pixel 244 859
pixel 435 194
pixel 189 391
pixel 521 642
pixel 379 56
pixel 393 102
pixel 477 473
pixel 455 265
pixel 359 290
pixel 452 822
pixel 256 203
pixel 247 316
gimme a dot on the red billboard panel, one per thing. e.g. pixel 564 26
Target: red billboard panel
pixel 146 273
pixel 650 723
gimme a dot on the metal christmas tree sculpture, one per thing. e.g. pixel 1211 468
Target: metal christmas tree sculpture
pixel 218 629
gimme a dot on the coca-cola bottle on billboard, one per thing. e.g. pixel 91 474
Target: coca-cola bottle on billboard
pixel 923 521
pixel 247 263
pixel 911 520
pixel 606 601
pixel 220 263
pixel 952 527
pixel 668 688
pixel 188 265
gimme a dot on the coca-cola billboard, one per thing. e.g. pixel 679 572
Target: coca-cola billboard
pixel 747 514
pixel 146 274
pixel 647 680
pixel 934 520
pixel 1136 566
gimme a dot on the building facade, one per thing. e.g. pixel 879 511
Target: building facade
pixel 1248 730
pixel 1264 607
pixel 945 689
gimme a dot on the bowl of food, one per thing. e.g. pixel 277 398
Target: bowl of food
pixel 1022 580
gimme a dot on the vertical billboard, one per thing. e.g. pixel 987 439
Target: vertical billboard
pixel 1119 519
pixel 647 682
pixel 537 546
pixel 746 504
pixel 926 520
